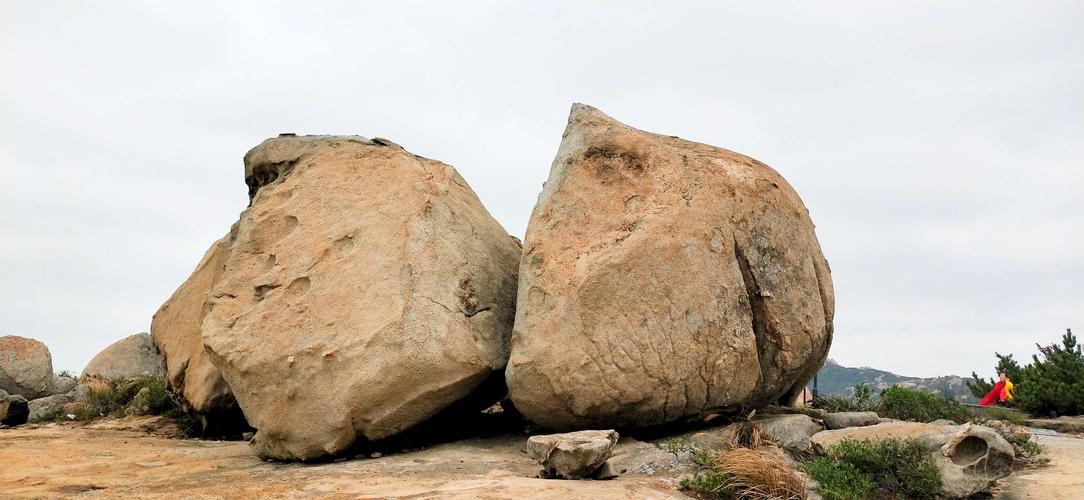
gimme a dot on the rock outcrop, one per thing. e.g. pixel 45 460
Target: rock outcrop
pixel 970 457
pixel 176 330
pixel 663 279
pixel 573 455
pixel 130 357
pixel 364 290
pixel 26 367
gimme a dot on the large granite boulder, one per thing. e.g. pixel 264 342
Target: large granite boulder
pixel 364 290
pixel 663 279
pixel 26 367
pixel 130 357
pixel 176 330
pixel 970 457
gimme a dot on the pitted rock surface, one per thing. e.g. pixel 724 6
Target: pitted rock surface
pixel 364 290
pixel 663 279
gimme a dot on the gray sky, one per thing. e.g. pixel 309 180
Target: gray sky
pixel 938 145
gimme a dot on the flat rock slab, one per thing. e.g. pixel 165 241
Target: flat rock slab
pixel 843 420
pixel 572 455
pixel 65 459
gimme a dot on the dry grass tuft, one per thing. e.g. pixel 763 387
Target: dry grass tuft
pixel 744 433
pixel 758 474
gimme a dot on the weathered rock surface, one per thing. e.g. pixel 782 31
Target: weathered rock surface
pixel 47 408
pixel 572 455
pixel 13 410
pixel 970 457
pixel 26 367
pixel 130 357
pixel 176 330
pixel 790 431
pixel 663 279
pixel 63 384
pixel 365 289
pixel 845 419
pixel 1064 424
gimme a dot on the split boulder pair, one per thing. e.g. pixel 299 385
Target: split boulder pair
pixel 366 289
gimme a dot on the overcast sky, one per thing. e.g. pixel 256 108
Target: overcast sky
pixel 938 145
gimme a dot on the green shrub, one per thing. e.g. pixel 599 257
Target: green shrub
pixel 119 394
pixel 901 468
pixel 862 400
pixel 840 481
pixel 920 406
pixel 983 416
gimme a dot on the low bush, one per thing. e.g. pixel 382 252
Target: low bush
pixel 120 393
pixel 861 400
pixel 900 468
pixel 840 481
pixel 920 406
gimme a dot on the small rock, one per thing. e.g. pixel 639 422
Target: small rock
pixel 63 384
pixel 47 408
pixel 247 436
pixel 572 455
pixel 847 419
pixel 139 405
pixel 707 441
pixel 376 454
pixel 13 410
pixel 80 393
pixel 790 431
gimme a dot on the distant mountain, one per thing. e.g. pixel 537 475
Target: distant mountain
pixel 840 380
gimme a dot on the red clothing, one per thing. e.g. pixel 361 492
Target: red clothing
pixel 995 395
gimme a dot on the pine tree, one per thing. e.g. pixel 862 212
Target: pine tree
pixel 1054 382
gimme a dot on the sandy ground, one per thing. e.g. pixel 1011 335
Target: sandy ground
pixel 120 459
pixel 1063 478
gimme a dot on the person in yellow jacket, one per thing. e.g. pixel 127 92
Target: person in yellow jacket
pixel 1006 391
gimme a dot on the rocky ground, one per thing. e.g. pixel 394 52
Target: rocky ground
pixel 141 457
pixel 1062 479
pixel 137 457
